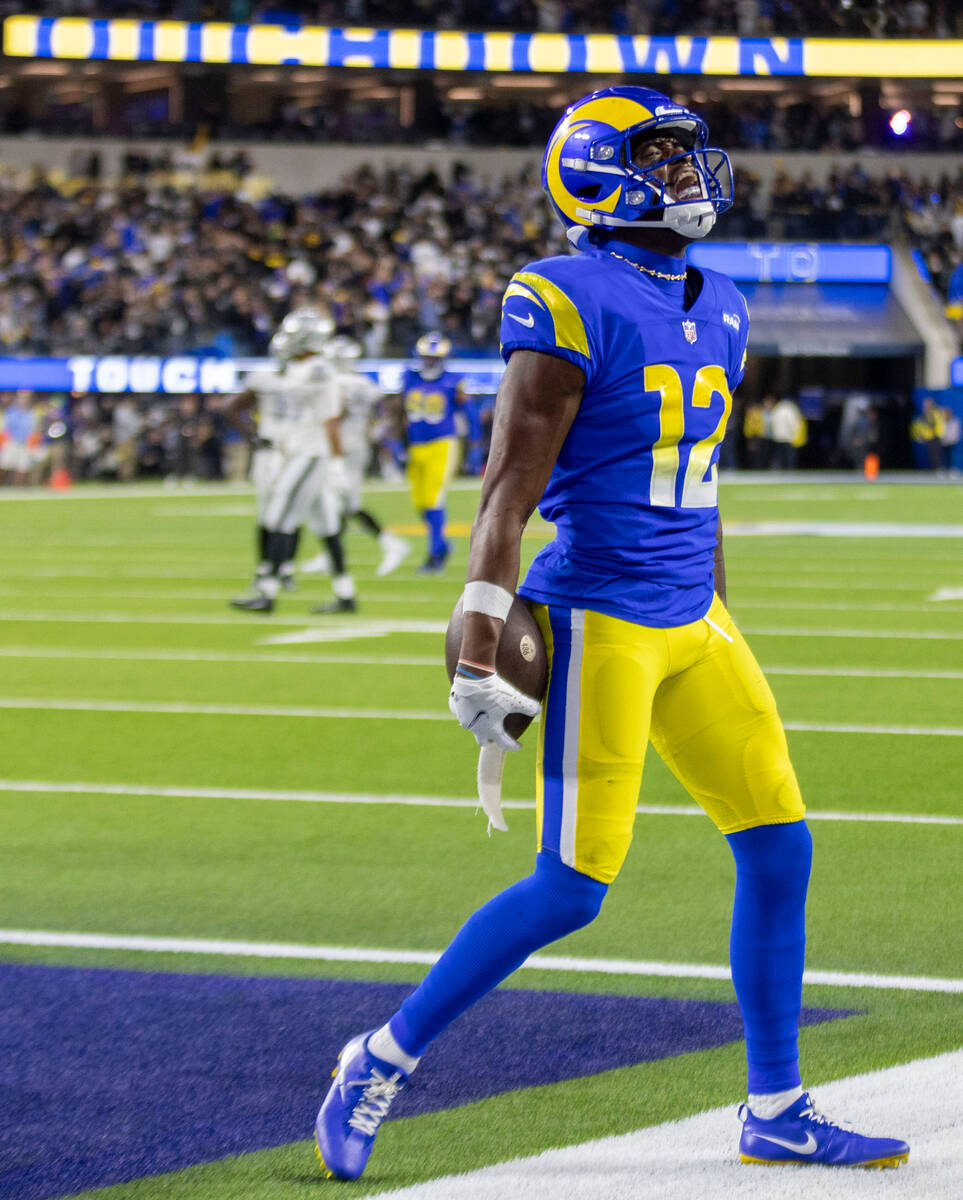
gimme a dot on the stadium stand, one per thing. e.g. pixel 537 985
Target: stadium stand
pixel 160 266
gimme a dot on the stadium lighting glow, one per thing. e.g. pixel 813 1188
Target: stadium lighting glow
pixel 899 122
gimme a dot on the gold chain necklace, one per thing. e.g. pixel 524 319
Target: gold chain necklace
pixel 648 270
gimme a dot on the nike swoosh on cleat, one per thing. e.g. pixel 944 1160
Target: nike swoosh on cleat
pixel 807 1147
pixel 528 321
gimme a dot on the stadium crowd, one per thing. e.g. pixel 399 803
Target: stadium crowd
pixel 163 263
pixel 747 18
pixel 739 122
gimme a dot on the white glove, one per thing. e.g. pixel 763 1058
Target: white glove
pixel 481 706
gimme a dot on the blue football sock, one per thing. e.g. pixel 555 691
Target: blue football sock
pixel 435 520
pixel 551 902
pixel 767 947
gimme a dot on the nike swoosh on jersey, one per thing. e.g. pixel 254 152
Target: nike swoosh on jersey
pixel 807 1147
pixel 528 321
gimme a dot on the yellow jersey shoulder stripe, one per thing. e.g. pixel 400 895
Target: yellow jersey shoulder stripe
pixel 569 330
pixel 518 289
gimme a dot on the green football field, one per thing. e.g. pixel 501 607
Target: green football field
pixel 287 795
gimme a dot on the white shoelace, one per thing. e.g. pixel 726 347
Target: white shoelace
pixel 371 1109
pixel 810 1113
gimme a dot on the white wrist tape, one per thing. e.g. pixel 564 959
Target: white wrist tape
pixel 487 598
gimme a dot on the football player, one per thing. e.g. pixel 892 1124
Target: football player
pixel 431 396
pixel 297 434
pixel 621 366
pixel 359 397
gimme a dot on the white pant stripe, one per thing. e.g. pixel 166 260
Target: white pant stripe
pixel 573 712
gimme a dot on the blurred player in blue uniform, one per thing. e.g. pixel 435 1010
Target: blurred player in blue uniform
pixel 621 366
pixel 431 396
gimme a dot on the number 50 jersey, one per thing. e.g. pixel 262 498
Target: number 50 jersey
pixel 633 493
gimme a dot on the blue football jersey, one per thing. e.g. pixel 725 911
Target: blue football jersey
pixel 633 493
pixel 430 405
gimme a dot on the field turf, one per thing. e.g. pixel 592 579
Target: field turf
pixel 178 771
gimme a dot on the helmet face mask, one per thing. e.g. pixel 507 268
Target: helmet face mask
pixel 433 349
pixel 342 351
pixel 302 332
pixel 592 181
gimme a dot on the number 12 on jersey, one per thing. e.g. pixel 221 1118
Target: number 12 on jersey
pixel 697 491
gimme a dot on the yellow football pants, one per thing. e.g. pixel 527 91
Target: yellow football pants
pixel 696 691
pixel 431 467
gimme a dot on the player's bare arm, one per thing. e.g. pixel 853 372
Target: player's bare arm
pixel 238 407
pixel 537 402
pixel 719 563
pixel 333 427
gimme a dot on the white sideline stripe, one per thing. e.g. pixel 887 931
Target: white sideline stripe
pixel 312 797
pixel 947 593
pixel 697 1156
pixel 536 962
pixel 379 714
pixel 155 654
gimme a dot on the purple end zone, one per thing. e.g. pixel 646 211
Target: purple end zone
pixel 107 1076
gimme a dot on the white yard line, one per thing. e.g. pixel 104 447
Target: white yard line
pixel 742 581
pixel 113 594
pixel 369 597
pixel 832 606
pixel 537 962
pixel 810 631
pixel 842 529
pixel 864 672
pixel 64 704
pixel 323 629
pixel 413 801
pixel 159 654
pixel 215 656
pixel 919 1101
pixel 224 710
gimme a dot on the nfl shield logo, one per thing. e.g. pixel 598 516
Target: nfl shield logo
pixel 689 329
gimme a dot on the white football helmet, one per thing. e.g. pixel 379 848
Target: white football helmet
pixel 343 352
pixel 304 331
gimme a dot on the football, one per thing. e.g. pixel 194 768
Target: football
pixel 521 657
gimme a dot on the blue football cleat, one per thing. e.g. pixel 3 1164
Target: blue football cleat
pixel 359 1099
pixel 802 1135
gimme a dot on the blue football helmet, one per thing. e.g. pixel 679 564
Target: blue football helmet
pixel 433 350
pixel 593 183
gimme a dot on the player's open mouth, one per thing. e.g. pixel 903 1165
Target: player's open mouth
pixel 689 191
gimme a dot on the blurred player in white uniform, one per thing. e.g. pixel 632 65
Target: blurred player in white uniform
pixel 298 441
pixel 341 500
